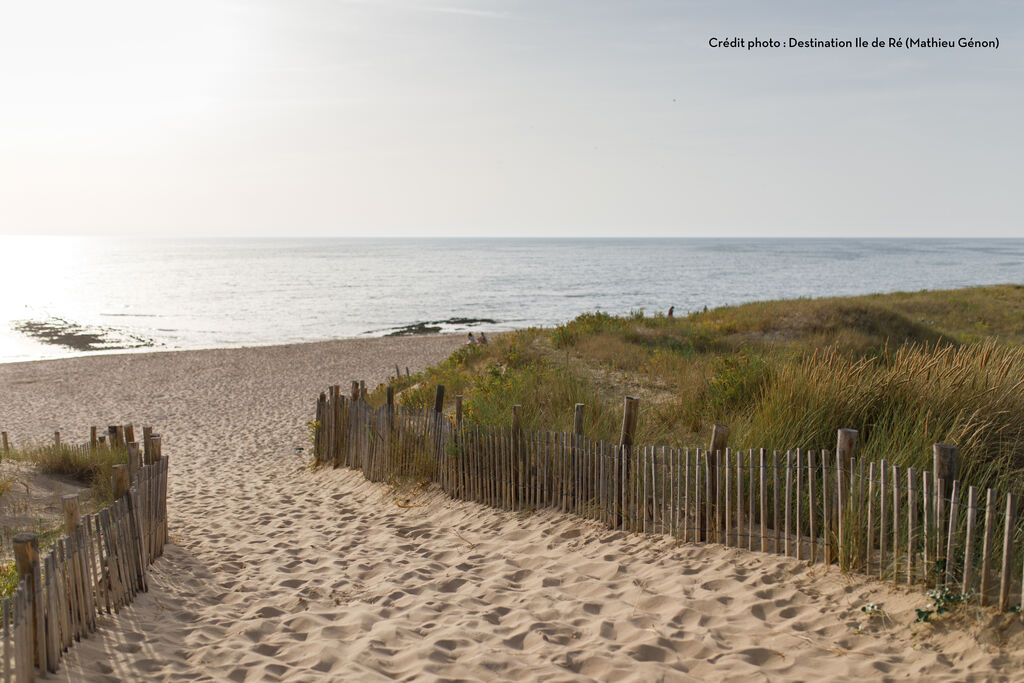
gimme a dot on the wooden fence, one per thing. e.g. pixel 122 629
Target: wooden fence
pixel 98 567
pixel 831 507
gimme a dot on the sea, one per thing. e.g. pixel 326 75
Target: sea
pixel 135 295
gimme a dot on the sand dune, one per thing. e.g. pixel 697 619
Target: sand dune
pixel 278 572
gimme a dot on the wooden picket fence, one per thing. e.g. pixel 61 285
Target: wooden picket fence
pixel 98 567
pixel 829 507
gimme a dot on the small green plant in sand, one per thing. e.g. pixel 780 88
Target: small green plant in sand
pixel 942 601
pixel 873 610
pixel 8 578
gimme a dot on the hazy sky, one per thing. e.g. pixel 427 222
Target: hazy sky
pixel 507 117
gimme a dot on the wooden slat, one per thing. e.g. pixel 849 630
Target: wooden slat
pixel 763 475
pixel 751 498
pixel 728 538
pixel 926 521
pixel 775 501
pixel 972 512
pixel 986 548
pixel 1006 575
pixel 812 505
pixel 788 501
pixel 797 527
pixel 883 506
pixel 951 536
pixel 870 546
pixel 896 522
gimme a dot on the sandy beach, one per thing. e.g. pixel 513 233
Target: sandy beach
pixel 278 572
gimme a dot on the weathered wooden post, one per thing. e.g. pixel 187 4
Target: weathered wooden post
pixel 1006 578
pixel 518 474
pixel 719 442
pixel 93 443
pixel 133 459
pixel 129 433
pixel 581 484
pixel 945 468
pixel 119 480
pixel 846 446
pixel 944 463
pixel 438 417
pixel 362 389
pixel 147 434
pixel 26 557
pixel 354 391
pixel 72 514
pixel 56 440
pixel 318 430
pixel 458 411
pixel 630 410
pixel 439 399
pixel 389 419
pixel 7 445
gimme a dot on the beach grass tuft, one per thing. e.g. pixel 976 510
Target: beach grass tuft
pixel 92 468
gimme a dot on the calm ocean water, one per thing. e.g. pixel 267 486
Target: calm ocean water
pixel 184 294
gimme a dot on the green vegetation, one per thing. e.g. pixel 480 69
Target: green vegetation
pixel 906 370
pixel 8 578
pixel 92 468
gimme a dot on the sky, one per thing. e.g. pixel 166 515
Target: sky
pixel 508 118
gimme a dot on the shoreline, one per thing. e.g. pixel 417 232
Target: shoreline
pixel 156 350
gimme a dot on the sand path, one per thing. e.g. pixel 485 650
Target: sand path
pixel 281 573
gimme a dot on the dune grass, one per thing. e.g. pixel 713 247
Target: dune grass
pixel 906 370
pixel 91 468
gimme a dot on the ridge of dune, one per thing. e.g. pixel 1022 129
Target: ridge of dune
pixel 279 572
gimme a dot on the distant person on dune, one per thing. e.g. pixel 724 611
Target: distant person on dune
pixel 671 310
pixel 483 338
pixel 472 340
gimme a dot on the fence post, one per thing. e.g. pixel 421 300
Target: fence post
pixel 72 515
pixel 93 443
pixel 119 480
pixel 133 459
pixel 630 405
pixel 26 556
pixel 719 442
pixel 517 464
pixel 439 399
pixel 458 411
pixel 354 392
pixel 846 445
pixel 1005 580
pixel 986 547
pixel 147 446
pixel 577 419
pixel 56 440
pixel 7 446
pixel 318 433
